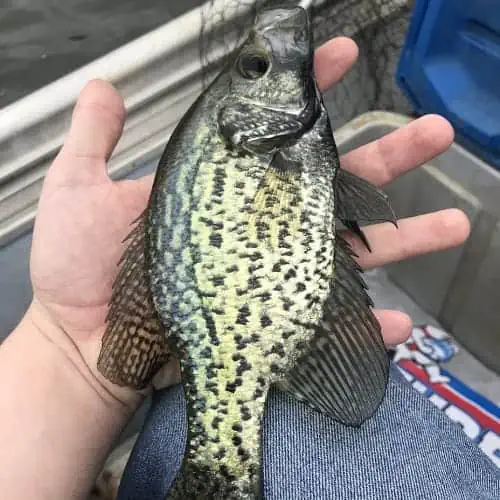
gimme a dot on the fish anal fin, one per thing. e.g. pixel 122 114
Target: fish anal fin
pixel 134 345
pixel 344 373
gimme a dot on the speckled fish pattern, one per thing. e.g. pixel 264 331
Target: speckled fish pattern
pixel 234 265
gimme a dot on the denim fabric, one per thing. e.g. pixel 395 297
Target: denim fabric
pixel 408 450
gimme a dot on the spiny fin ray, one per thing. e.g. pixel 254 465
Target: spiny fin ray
pixel 134 346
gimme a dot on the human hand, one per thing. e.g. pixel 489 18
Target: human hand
pixel 83 216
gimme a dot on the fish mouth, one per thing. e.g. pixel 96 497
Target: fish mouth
pixel 263 127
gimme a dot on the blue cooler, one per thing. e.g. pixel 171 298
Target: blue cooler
pixel 450 65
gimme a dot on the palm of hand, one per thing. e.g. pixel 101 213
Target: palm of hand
pixel 77 243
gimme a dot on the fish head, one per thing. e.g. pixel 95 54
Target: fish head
pixel 272 98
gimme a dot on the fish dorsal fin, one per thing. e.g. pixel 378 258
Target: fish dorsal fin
pixel 358 200
pixel 344 374
pixel 134 345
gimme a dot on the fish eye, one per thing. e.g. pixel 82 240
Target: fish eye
pixel 253 66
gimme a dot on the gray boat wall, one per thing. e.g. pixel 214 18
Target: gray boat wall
pixel 160 74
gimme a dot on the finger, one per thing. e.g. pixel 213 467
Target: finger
pixel 333 60
pixel 136 193
pixel 383 160
pixel 413 236
pixel 396 326
pixel 145 183
pixel 96 127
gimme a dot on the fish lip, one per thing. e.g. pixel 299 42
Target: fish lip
pixel 285 110
pixel 306 115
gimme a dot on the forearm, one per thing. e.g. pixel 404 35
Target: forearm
pixel 57 424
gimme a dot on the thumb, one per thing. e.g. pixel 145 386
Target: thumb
pixel 96 127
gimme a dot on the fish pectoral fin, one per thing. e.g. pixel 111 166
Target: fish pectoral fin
pixel 358 199
pixel 134 345
pixel 345 372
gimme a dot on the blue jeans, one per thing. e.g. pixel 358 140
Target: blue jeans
pixel 408 450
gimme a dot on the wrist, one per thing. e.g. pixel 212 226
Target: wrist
pixel 78 353
pixel 58 423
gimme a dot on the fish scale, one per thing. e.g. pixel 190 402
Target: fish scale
pixel 236 267
pixel 239 318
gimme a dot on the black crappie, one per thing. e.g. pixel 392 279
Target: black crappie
pixel 236 267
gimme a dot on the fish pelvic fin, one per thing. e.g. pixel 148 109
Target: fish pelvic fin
pixel 134 345
pixel 359 200
pixel 345 371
